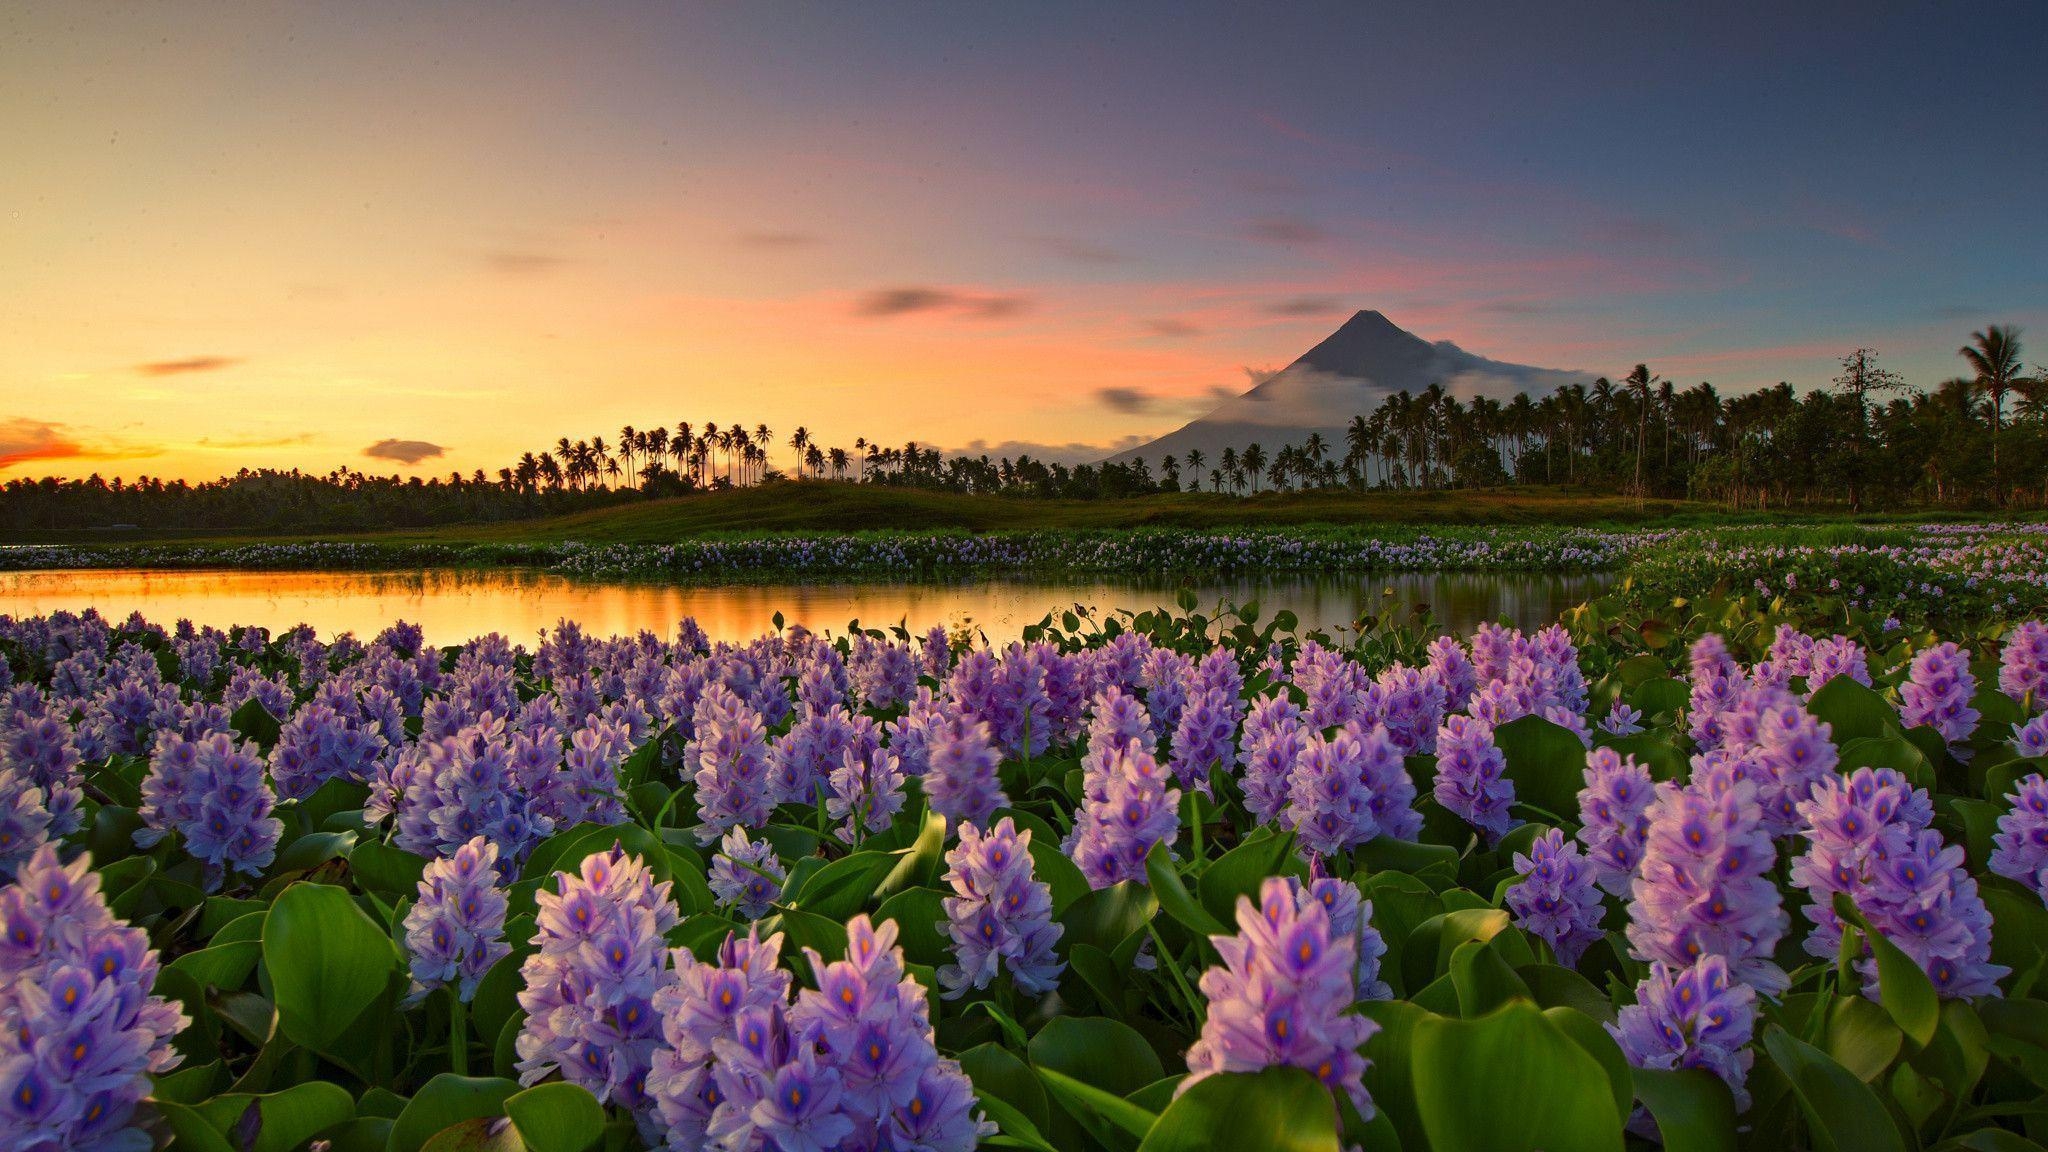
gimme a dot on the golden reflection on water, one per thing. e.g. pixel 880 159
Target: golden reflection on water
pixel 455 604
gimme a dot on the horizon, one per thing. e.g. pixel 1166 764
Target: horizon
pixel 278 240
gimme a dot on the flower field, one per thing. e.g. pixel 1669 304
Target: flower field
pixel 1759 864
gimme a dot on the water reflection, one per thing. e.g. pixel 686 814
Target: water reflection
pixel 453 605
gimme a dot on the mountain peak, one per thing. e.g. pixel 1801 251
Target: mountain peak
pixel 1368 338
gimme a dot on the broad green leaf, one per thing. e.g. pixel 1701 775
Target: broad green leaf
pixel 1098 1051
pixel 1842 1113
pixel 1902 985
pixel 1174 898
pixel 1102 1113
pixel 556 1117
pixel 839 890
pixel 1239 872
pixel 995 1070
pixel 1277 1110
pixel 1108 916
pixel 1545 761
pixel 447 1100
pixel 1694 1110
pixel 1853 711
pixel 328 962
pixel 1540 1089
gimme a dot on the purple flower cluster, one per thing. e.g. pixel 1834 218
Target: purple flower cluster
pixel 746 875
pixel 1703 888
pixel 2023 665
pixel 1471 776
pixel 1000 913
pixel 1134 810
pixel 1350 918
pixel 2020 849
pixel 318 744
pixel 599 962
pixel 1613 817
pixel 1348 788
pixel 213 793
pixel 960 778
pixel 1283 996
pixel 83 1033
pixel 1937 693
pixel 42 753
pixel 1275 736
pixel 1869 839
pixel 851 1065
pixel 1557 898
pixel 456 931
pixel 1692 1016
pixel 729 761
pixel 867 792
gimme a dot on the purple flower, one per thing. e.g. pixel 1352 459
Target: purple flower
pixel 1621 720
pixel 1000 913
pixel 730 760
pixel 1350 917
pixel 701 1006
pixel 2023 665
pixel 1450 667
pixel 590 984
pixel 960 781
pixel 319 744
pixel 43 752
pixel 1556 898
pixel 2030 740
pixel 1283 997
pixel 867 792
pixel 1613 820
pixel 1274 738
pixel 1205 738
pixel 746 875
pixel 2020 849
pixel 456 931
pixel 1330 800
pixel 1869 839
pixel 24 822
pixel 1717 681
pixel 884 674
pixel 1691 1016
pixel 1937 693
pixel 213 793
pixel 1471 776
pixel 85 1033
pixel 1135 810
pixel 1703 888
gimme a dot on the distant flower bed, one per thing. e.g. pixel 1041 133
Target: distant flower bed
pixel 1729 874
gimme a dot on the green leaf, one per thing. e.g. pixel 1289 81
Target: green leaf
pixel 1390 1077
pixel 919 863
pixel 283 1121
pixel 556 1117
pixel 841 889
pixel 1239 872
pixel 445 1101
pixel 223 965
pixel 1426 954
pixel 1539 1088
pixel 251 722
pixel 1108 916
pixel 918 913
pixel 1587 1033
pixel 1842 1113
pixel 1059 872
pixel 1277 1110
pixel 1902 985
pixel 1483 980
pixel 1694 1110
pixel 328 962
pixel 1174 898
pixel 379 867
pixel 1546 762
pixel 1100 1112
pixel 1853 711
pixel 995 1070
pixel 1096 1050
pixel 1014 1125
pixel 1863 1037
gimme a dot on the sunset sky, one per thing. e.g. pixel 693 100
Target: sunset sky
pixel 277 235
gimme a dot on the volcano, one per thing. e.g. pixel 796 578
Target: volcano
pixel 1348 374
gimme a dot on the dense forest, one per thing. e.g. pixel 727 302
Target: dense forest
pixel 1868 439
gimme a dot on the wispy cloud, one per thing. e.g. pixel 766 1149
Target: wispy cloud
pixel 1070 453
pixel 1172 326
pixel 250 442
pixel 1136 401
pixel 911 299
pixel 23 440
pixel 1305 306
pixel 187 364
pixel 774 238
pixel 404 451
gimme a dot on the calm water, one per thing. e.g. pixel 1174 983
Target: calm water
pixel 454 605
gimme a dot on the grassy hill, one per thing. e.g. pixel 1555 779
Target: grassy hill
pixel 817 506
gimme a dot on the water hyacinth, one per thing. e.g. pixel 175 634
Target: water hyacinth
pixel 42 752
pixel 85 1034
pixel 1703 887
pixel 1135 810
pixel 1350 917
pixel 1471 776
pixel 1869 839
pixel 1275 735
pixel 1283 996
pixel 2023 665
pixel 867 792
pixel 1000 914
pixel 2030 740
pixel 1937 693
pixel 456 930
pixel 1692 1016
pixel 590 985
pixel 700 1007
pixel 746 875
pixel 1557 899
pixel 213 793
pixel 1204 739
pixel 731 766
pixel 2020 849
pixel 1613 817
pixel 318 744
pixel 960 778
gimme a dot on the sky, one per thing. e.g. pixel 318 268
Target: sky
pixel 421 238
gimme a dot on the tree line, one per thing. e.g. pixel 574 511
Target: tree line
pixel 1868 439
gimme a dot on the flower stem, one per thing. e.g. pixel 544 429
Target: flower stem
pixel 458 1033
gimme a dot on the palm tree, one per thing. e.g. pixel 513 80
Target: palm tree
pixel 1254 459
pixel 1994 356
pixel 800 440
pixel 1195 462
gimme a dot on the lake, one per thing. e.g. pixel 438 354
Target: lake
pixel 455 604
